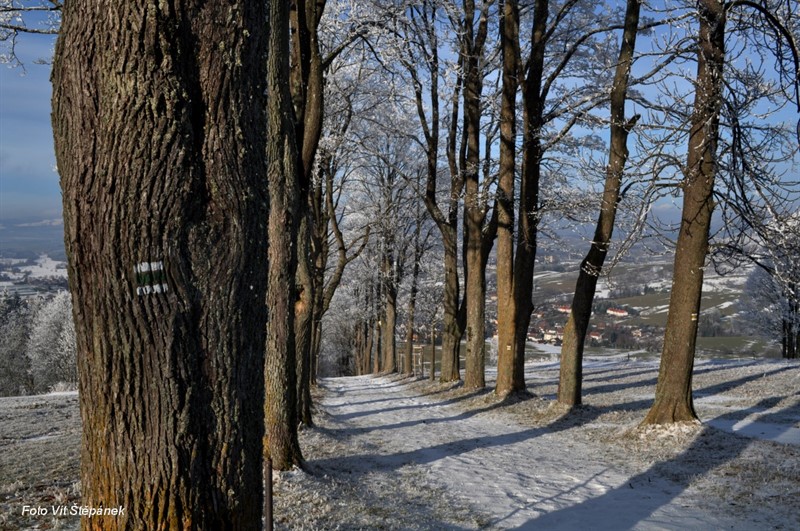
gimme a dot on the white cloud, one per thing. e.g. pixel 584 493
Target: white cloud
pixel 43 223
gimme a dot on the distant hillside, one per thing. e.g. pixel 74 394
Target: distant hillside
pixel 25 238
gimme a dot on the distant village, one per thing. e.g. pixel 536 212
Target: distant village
pixel 611 326
pixel 28 278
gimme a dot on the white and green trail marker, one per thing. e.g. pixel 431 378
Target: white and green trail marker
pixel 150 278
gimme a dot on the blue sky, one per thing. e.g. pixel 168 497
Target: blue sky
pixel 28 182
pixel 29 187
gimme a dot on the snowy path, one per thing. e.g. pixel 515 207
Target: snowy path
pixel 519 477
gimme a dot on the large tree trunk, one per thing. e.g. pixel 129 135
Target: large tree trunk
pixel 571 375
pixel 512 365
pixel 158 119
pixel 285 204
pixel 474 211
pixel 506 303
pixel 474 292
pixel 454 309
pixel 673 401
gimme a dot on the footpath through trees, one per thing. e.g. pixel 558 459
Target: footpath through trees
pixel 556 472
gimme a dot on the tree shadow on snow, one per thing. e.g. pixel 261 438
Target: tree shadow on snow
pixel 379 411
pixel 651 382
pixel 628 505
pixel 431 454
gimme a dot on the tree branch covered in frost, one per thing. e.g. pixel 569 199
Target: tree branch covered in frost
pixel 37 344
pixel 772 293
pixel 41 17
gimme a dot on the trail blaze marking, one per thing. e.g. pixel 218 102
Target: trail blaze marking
pixel 150 278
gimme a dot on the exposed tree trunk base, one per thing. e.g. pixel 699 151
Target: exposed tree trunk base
pixel 451 343
pixel 449 359
pixel 669 411
pixel 513 396
pixel 295 460
pixel 571 366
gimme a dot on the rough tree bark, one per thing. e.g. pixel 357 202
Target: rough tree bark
pixel 472 48
pixel 512 365
pixel 673 401
pixel 571 373
pixel 281 443
pixel 451 327
pixel 506 303
pixel 159 126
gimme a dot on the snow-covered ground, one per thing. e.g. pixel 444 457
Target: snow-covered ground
pixel 394 453
pixel 533 465
pixel 46 267
pixel 43 267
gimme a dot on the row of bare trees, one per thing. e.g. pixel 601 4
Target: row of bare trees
pixel 213 156
pixel 447 54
